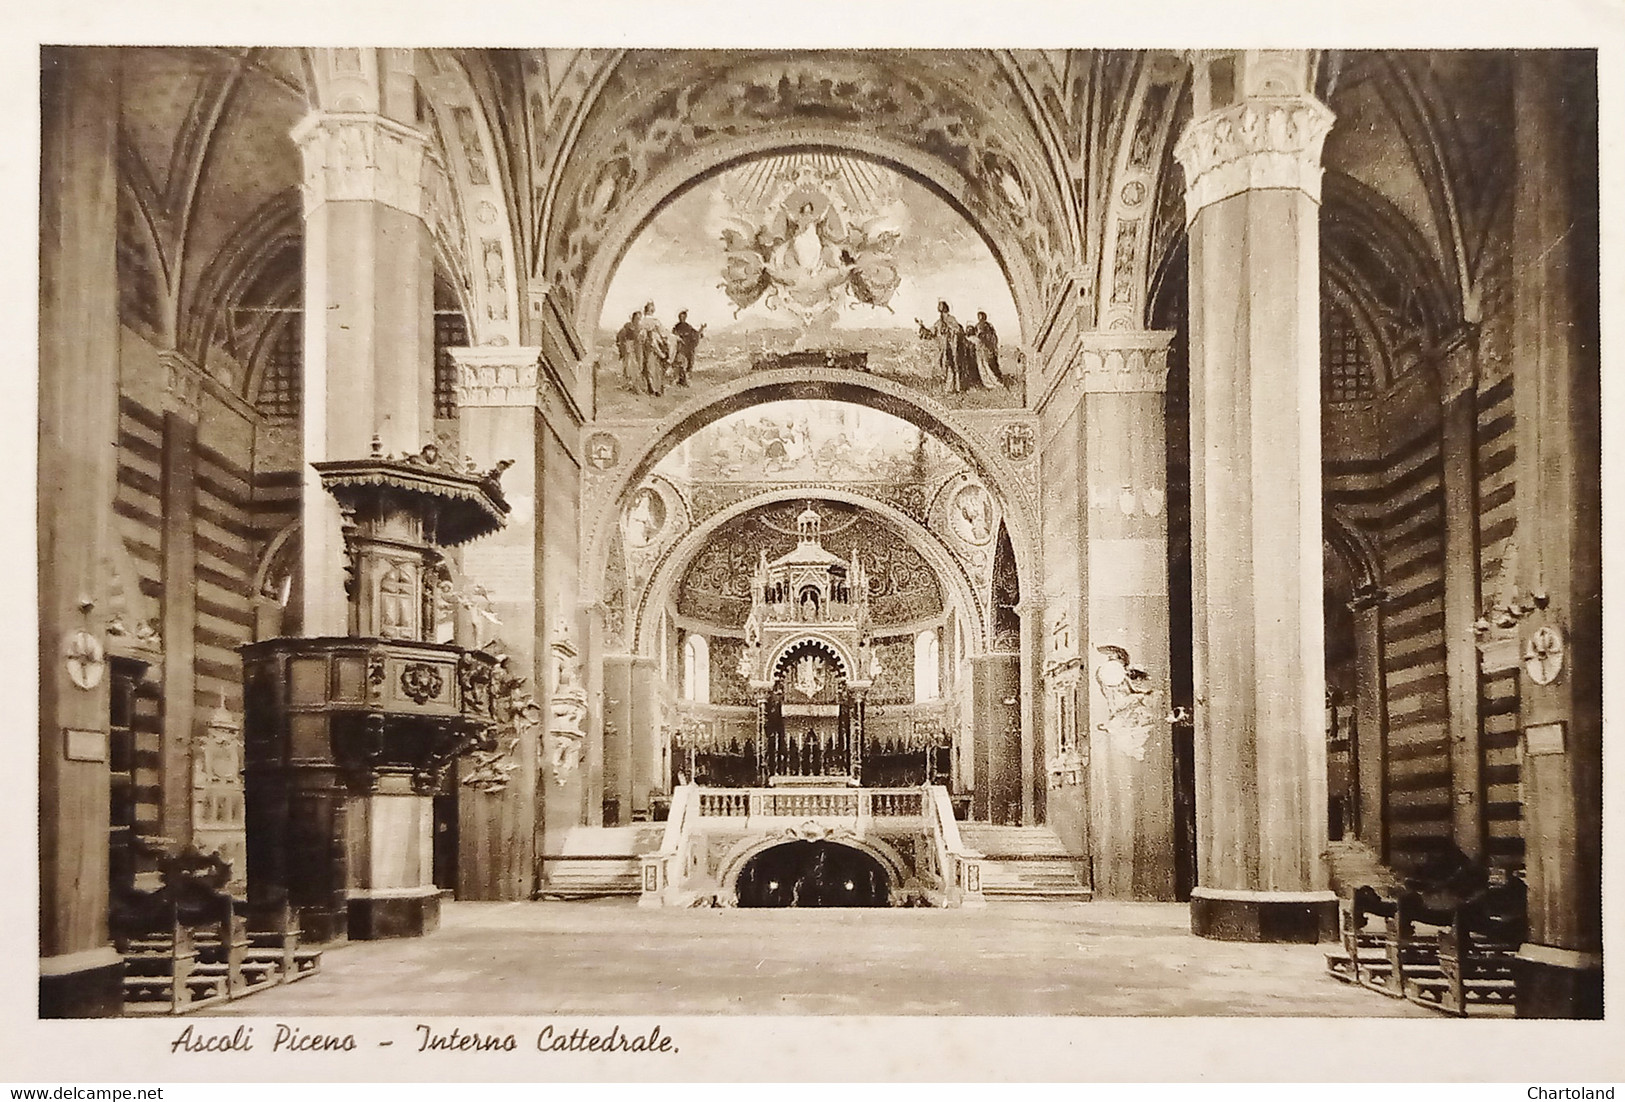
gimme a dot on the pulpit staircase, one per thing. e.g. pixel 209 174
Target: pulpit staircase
pixel 1026 864
pixel 595 862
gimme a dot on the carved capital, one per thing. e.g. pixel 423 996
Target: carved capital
pixel 183 385
pixel 503 375
pixel 1458 368
pixel 364 157
pixel 1117 361
pixel 1262 142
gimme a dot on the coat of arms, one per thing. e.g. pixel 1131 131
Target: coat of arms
pixel 1018 442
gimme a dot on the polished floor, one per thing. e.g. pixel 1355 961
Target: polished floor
pixel 610 957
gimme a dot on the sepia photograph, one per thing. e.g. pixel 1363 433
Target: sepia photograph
pixel 542 544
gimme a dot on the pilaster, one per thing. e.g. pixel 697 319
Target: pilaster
pixel 1458 378
pixel 183 395
pixel 1124 376
pixel 1555 347
pixel 80 974
pixel 498 421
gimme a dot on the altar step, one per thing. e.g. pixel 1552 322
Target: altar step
pixel 598 861
pixel 1026 864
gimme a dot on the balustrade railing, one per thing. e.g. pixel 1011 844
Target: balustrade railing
pixel 811 803
pixel 950 872
pixel 724 805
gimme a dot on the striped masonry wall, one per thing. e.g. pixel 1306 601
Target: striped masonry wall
pixel 138 509
pixel 1498 689
pixel 1413 660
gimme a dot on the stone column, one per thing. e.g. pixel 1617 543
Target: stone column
pixel 1458 375
pixel 391 862
pixel 996 721
pixel 183 388
pixel 1032 753
pixel 632 795
pixel 80 974
pixel 369 308
pixel 1131 765
pixel 499 419
pixel 1251 157
pixel 1556 390
pixel 1370 712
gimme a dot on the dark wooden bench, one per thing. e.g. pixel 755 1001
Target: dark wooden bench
pixel 1437 950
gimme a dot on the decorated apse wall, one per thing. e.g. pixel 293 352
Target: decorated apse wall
pixel 807 252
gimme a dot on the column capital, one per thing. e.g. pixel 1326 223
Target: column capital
pixel 183 384
pixel 1124 361
pixel 359 156
pixel 1457 362
pixel 497 375
pixel 1265 141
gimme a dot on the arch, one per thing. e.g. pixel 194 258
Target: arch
pixel 1125 270
pixel 662 190
pixel 828 383
pixel 484 262
pixel 274 229
pixel 677 557
pixel 953 120
pixel 734 861
pixel 1354 547
pixel 1413 96
pixel 812 639
pixel 1353 215
pixel 927 666
pixel 696 668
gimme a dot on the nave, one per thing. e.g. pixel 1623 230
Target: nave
pixel 610 958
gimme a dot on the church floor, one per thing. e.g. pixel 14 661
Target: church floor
pixel 609 957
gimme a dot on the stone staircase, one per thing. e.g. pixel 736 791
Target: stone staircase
pixel 598 861
pixel 1026 864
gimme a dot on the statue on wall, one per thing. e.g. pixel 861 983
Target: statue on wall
pixel 1130 712
pixel 567 709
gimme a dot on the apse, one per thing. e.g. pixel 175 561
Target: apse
pixel 805 253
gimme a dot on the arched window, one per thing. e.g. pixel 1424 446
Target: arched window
pixel 927 666
pixel 696 669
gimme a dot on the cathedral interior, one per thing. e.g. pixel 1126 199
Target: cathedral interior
pixel 957 479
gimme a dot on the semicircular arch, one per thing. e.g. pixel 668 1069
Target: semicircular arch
pixel 960 591
pixel 952 119
pixel 812 639
pixel 704 164
pixel 734 861
pixel 875 392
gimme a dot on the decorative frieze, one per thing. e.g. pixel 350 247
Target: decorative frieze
pixel 1261 142
pixel 364 157
pixel 496 376
pixel 1124 362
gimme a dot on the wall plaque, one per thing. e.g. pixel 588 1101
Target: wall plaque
pixel 1543 738
pixel 85 745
